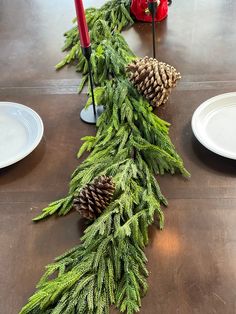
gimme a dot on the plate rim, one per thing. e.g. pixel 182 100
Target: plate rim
pixel 38 139
pixel 197 111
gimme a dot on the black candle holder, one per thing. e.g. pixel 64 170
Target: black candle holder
pixel 90 115
pixel 152 7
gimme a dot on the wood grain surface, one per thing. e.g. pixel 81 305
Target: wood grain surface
pixel 192 262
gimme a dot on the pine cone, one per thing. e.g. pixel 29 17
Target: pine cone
pixel 95 197
pixel 153 79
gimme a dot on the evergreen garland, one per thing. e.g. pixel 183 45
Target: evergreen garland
pixel 132 145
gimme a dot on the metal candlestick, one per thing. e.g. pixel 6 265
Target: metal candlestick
pixel 152 7
pixel 90 114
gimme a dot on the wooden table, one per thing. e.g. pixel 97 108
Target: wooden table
pixel 192 262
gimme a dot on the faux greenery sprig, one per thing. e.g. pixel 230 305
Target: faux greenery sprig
pixel 110 54
pixel 109 49
pixel 109 266
pixel 115 13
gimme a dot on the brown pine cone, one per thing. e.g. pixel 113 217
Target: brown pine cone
pixel 95 197
pixel 153 79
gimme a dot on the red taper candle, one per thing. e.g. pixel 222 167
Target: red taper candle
pixel 82 24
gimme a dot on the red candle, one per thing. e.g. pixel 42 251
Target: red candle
pixel 82 24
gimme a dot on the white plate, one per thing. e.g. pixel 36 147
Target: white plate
pixel 21 130
pixel 214 124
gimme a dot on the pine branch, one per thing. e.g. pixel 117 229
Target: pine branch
pixel 110 50
pixel 91 270
pixel 110 54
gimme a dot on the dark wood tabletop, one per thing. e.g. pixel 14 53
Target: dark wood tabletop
pixel 192 262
